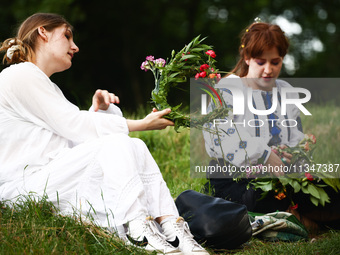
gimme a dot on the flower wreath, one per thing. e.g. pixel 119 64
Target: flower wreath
pixel 194 60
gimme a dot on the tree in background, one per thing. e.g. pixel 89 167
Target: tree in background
pixel 115 36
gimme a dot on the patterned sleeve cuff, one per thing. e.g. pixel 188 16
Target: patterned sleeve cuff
pixel 265 155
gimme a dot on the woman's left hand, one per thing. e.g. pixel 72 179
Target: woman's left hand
pixel 102 100
pixel 155 120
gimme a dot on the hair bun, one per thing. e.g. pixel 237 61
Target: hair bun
pixel 14 47
pixel 14 50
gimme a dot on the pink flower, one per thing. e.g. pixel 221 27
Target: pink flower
pixel 150 58
pixel 211 53
pixel 218 77
pixel 145 66
pixel 204 67
pixel 159 62
pixel 197 76
pixel 309 176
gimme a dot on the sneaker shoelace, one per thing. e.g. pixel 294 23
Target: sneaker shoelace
pixel 182 227
pixel 151 225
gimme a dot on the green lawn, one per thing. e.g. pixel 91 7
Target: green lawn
pixel 32 227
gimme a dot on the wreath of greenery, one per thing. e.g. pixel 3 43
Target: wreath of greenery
pixel 307 179
pixel 194 60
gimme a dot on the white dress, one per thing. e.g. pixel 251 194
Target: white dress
pixel 248 141
pixel 84 161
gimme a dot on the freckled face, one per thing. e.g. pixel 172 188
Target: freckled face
pixel 264 70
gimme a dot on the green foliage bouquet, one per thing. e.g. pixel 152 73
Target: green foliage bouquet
pixel 305 175
pixel 194 60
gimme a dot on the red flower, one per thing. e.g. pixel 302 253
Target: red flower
pixel 203 74
pixel 211 53
pixel 306 146
pixel 309 176
pixel 294 207
pixel 204 67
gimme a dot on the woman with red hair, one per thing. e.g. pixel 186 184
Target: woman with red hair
pixel 248 142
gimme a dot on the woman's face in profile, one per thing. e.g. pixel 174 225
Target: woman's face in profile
pixel 61 47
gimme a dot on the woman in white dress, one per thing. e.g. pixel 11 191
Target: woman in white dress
pixel 84 161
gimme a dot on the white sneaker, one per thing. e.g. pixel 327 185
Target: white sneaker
pixel 144 233
pixel 178 234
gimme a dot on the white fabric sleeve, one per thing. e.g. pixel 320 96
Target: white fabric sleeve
pixel 113 109
pixel 37 99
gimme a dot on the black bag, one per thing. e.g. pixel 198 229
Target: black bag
pixel 216 222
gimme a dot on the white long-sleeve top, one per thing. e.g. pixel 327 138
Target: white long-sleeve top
pixel 247 142
pixel 37 123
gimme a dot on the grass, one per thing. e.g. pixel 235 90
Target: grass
pixel 325 125
pixel 31 226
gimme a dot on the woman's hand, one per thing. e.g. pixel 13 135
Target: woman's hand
pixel 102 99
pixel 279 161
pixel 275 162
pixel 285 156
pixel 153 121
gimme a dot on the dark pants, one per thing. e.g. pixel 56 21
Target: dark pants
pixel 243 192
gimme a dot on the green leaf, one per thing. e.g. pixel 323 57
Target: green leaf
pixel 334 183
pixel 173 75
pixel 314 200
pixel 296 185
pixel 188 46
pixel 189 56
pixel 285 181
pixel 304 189
pixel 265 187
pixel 313 190
pixel 200 49
pixel 323 196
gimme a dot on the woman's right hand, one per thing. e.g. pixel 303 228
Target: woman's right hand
pixel 102 99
